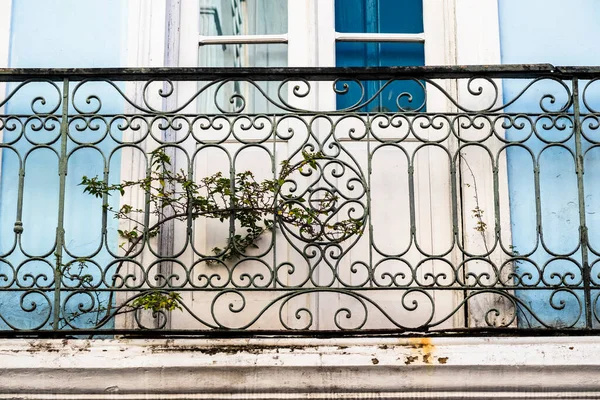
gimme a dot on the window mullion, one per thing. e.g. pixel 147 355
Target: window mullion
pixel 380 37
pixel 242 39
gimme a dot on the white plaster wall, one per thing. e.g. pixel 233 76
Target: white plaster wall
pixel 385 368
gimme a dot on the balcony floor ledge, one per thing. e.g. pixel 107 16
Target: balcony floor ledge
pixel 307 368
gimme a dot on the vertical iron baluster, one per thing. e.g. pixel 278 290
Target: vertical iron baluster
pixel 60 230
pixel 369 221
pixel 275 201
pixel 581 197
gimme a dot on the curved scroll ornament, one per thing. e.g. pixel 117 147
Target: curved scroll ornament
pixel 222 95
pixel 328 209
pixel 406 95
pixel 28 310
pixel 360 97
pixel 323 206
pixel 556 96
pixel 323 212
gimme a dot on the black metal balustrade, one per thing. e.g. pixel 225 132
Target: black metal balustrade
pixel 237 201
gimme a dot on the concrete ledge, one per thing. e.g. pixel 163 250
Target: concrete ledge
pixel 386 368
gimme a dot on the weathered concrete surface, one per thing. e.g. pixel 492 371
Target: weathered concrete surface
pixel 386 368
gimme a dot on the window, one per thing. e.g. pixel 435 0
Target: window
pixel 257 32
pixel 344 33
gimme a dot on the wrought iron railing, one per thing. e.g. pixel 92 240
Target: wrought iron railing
pixel 205 201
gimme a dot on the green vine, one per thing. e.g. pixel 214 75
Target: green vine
pixel 254 206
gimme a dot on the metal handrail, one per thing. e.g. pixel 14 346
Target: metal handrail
pixel 515 71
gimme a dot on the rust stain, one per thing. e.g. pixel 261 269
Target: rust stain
pixel 422 348
pixel 424 344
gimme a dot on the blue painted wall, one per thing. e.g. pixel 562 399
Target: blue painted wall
pixel 549 31
pixel 55 33
pixel 560 33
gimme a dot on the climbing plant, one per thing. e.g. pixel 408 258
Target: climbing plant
pixel 255 206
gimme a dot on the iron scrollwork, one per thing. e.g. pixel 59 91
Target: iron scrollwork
pixel 408 210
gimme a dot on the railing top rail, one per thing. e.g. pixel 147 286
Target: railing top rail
pixel 313 74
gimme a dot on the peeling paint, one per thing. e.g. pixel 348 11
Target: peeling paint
pixel 112 389
pixel 220 349
pixel 35 347
pixel 443 360
pixel 410 359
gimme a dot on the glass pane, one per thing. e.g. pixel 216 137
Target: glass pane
pixel 243 55
pixel 237 17
pixel 360 54
pixel 243 17
pixel 245 96
pixel 379 16
pixel 386 54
